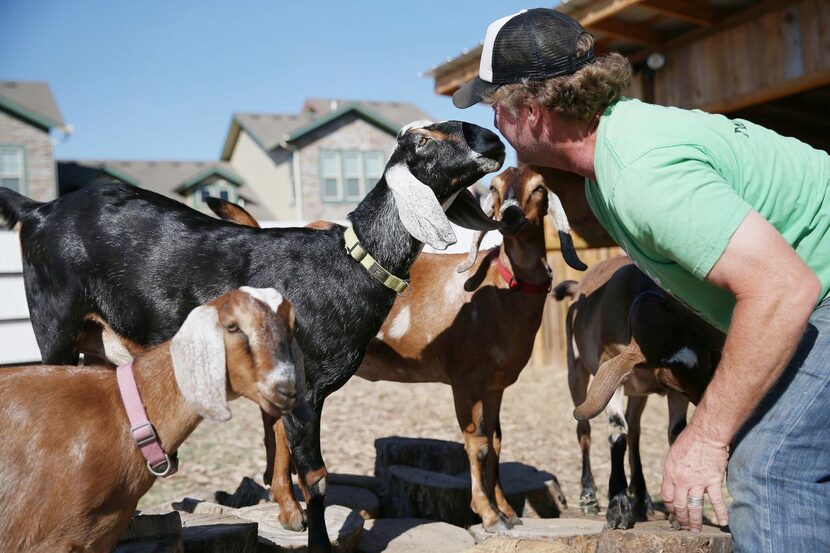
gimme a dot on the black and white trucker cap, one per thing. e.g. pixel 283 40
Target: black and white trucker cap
pixel 533 44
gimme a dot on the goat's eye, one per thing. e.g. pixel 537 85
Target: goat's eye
pixel 232 327
pixel 423 141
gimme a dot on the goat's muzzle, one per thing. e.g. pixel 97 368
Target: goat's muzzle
pixel 514 220
pixel 278 390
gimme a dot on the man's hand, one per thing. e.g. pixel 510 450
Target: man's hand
pixel 693 466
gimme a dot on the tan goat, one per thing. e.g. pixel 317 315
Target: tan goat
pixel 71 472
pixel 636 340
pixel 473 330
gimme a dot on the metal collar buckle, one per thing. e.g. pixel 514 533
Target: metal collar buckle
pixel 170 467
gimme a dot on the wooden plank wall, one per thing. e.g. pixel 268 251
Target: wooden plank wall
pixel 17 340
pixel 781 48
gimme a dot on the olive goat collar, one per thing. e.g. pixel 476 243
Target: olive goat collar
pixel 355 249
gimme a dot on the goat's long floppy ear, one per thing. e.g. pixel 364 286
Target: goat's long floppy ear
pixel 418 208
pixel 465 265
pixel 465 212
pixel 609 377
pixel 566 242
pixel 198 351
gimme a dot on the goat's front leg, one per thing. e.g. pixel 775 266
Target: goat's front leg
pixel 304 440
pixel 641 505
pixel 578 386
pixel 618 514
pixel 470 413
pixel 492 421
pixel 278 474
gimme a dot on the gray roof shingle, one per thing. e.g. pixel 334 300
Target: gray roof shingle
pixel 34 98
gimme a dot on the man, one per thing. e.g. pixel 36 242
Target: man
pixel 733 220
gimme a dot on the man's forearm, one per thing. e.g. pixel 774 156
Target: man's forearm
pixel 762 339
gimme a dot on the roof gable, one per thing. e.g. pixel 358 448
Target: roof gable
pixel 32 101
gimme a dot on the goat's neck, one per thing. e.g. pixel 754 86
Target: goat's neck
pixel 166 407
pixel 524 254
pixel 381 232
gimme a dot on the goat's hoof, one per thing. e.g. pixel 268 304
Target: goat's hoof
pixel 499 526
pixel 294 521
pixel 588 503
pixel 513 520
pixel 642 508
pixel 619 513
pixel 674 522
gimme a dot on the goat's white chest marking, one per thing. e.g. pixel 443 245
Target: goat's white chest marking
pixel 685 356
pixel 401 324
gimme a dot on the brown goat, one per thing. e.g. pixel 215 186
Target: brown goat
pixel 68 435
pixel 427 335
pixel 637 340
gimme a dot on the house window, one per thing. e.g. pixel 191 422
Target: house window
pixel 347 175
pixel 12 168
pixel 217 189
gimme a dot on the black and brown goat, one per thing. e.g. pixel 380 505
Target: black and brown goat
pixel 498 299
pixel 636 340
pixel 142 261
pixel 71 473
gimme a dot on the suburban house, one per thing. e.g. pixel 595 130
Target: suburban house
pixel 319 163
pixel 28 113
pixel 190 182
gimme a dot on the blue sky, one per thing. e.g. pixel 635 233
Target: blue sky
pixel 160 79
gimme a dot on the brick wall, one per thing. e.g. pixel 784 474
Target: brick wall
pixel 40 181
pixel 350 132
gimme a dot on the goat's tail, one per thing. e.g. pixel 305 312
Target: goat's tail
pixel 14 207
pixel 565 289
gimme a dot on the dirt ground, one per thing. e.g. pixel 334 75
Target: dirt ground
pixel 537 425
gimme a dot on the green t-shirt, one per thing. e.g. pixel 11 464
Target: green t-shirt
pixel 673 186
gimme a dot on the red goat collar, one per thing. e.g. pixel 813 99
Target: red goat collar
pixel 516 284
pixel 158 462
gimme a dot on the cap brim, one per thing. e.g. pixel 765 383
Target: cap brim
pixel 471 93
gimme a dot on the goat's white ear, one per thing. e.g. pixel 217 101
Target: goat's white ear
pixel 478 236
pixel 198 351
pixel 418 208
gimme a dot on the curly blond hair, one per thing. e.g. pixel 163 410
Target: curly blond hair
pixel 577 96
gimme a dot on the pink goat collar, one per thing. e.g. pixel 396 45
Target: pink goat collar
pixel 158 462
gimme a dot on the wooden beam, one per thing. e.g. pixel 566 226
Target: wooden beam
pixel 778 90
pixel 598 11
pixel 685 11
pixel 634 32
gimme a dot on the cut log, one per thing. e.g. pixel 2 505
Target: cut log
pixel 343 526
pixel 247 493
pixel 412 535
pixel 509 545
pixel 524 486
pixel 581 534
pixel 418 493
pixel 371 483
pixel 658 536
pixel 203 533
pixel 435 455
pixel 171 505
pixel 356 499
pixel 157 544
pixel 151 526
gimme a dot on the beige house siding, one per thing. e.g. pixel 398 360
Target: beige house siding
pixel 39 180
pixel 349 132
pixel 269 178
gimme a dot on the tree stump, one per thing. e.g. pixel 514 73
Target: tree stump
pixel 509 545
pixel 153 526
pixel 356 499
pixel 412 535
pixel 524 486
pixel 371 483
pixel 204 533
pixel 435 455
pixel 157 544
pixel 580 534
pixel 247 493
pixel 658 536
pixel 342 524
pixel 418 493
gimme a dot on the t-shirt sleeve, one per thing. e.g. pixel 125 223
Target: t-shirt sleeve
pixel 680 209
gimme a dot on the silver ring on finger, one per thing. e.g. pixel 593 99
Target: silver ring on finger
pixel 695 501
